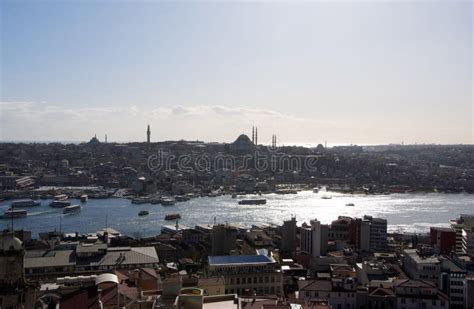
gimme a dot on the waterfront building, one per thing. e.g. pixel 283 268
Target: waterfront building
pixel 468 241
pixel 223 239
pixel 375 231
pixel 288 235
pixel 247 274
pixel 464 221
pixel 339 229
pixel 314 238
pixel 443 240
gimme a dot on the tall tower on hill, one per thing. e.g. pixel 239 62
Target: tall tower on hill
pixel 148 134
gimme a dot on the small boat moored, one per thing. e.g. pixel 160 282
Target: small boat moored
pixel 60 197
pixel 181 198
pixel 140 200
pixel 253 202
pixel 172 217
pixel 143 213
pixel 72 209
pixel 84 198
pixel 168 201
pixel 350 204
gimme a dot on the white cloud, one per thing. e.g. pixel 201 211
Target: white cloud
pixel 43 121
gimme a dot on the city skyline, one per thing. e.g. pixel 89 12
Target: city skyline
pixel 360 73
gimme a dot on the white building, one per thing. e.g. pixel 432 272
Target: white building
pixel 468 241
pixel 314 239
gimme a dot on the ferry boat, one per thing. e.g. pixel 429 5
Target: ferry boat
pixel 140 200
pixel 14 213
pixel 72 209
pixel 84 198
pixel 260 201
pixel 60 197
pixel 143 213
pixel 60 204
pixel 181 198
pixel 25 203
pixel 325 196
pixel 155 201
pixel 286 191
pixel 168 201
pixel 172 217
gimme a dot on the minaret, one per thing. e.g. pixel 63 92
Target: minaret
pixel 256 136
pixel 253 135
pixel 148 133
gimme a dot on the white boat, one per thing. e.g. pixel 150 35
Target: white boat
pixel 25 203
pixel 60 197
pixel 72 209
pixel 84 198
pixel 168 201
pixel 324 195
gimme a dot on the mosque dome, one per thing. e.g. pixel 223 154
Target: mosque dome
pixel 243 139
pixel 242 144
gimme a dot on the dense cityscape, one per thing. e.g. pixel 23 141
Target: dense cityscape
pixel 213 154
pixel 352 262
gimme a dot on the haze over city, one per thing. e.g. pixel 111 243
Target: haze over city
pixel 345 72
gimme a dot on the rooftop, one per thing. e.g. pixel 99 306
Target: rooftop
pixel 239 259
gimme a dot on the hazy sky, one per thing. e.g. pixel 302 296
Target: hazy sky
pixel 346 72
